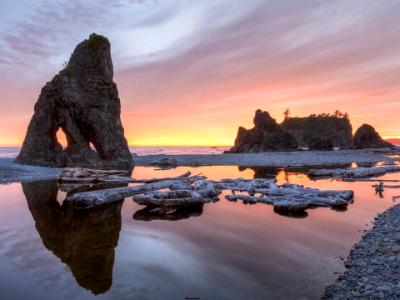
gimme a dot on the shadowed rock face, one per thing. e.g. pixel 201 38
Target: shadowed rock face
pixel 83 239
pixel 336 129
pixel 83 101
pixel 320 143
pixel 150 213
pixel 367 137
pixel 266 135
pixel 261 172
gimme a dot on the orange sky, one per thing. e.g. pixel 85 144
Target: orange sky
pixel 184 80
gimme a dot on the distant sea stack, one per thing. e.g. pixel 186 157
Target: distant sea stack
pixel 366 137
pixel 83 101
pixel 319 130
pixel 266 135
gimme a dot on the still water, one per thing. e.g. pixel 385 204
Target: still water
pixel 223 250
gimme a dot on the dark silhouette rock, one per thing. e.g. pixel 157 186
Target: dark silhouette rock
pixel 83 239
pixel 266 135
pixel 81 100
pixel 320 143
pixel 151 213
pixel 367 137
pixel 261 172
pixel 337 129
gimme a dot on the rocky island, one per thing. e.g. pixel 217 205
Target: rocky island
pixel 321 132
pixel 367 137
pixel 316 132
pixel 266 135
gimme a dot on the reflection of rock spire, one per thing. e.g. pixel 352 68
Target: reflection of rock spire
pixel 261 172
pixel 83 239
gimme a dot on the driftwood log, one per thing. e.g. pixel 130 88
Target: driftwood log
pixel 289 198
pixel 93 198
pixel 370 180
pixel 83 175
pixel 353 172
pixel 184 175
pixel 387 186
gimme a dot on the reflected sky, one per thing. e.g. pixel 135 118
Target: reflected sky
pixel 227 250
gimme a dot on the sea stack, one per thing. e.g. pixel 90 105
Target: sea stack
pixel 314 131
pixel 266 135
pixel 366 137
pixel 83 101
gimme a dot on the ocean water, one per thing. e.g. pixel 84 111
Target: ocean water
pixel 13 151
pixel 221 250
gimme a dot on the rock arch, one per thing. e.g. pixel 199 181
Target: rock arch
pixel 83 101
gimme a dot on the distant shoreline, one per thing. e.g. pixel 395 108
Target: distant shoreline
pixel 13 172
pixel 273 159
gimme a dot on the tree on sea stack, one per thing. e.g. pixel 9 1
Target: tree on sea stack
pixel 81 100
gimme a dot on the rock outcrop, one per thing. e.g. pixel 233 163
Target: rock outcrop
pixel 266 135
pixel 81 100
pixel 366 137
pixel 337 129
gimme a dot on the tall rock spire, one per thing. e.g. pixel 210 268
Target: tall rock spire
pixel 83 101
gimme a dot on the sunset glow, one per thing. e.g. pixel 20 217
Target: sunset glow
pixel 191 72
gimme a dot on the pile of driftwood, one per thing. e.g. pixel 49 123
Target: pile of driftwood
pixel 165 194
pixel 349 173
pixel 286 198
pixel 83 175
pixel 178 191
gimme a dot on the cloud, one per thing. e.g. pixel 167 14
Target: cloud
pixel 212 63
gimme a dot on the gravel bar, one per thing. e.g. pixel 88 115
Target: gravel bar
pixel 373 267
pixel 273 159
pixel 13 172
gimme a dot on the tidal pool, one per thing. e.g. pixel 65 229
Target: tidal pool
pixel 223 250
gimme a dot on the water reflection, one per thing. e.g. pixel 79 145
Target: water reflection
pixel 230 252
pixel 83 239
pixel 150 213
pixel 262 172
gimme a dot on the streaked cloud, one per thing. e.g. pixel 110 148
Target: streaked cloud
pixel 205 66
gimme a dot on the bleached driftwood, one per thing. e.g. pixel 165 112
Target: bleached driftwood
pixel 295 202
pixel 202 191
pixel 201 187
pixel 369 180
pixel 93 198
pixel 293 198
pixel 244 185
pixel 353 172
pixel 387 186
pixel 83 175
pixel 184 175
pixel 186 191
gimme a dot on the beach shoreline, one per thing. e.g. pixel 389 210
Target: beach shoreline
pixel 13 172
pixel 273 159
pixel 373 266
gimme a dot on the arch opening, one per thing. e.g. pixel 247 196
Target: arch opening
pixel 61 138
